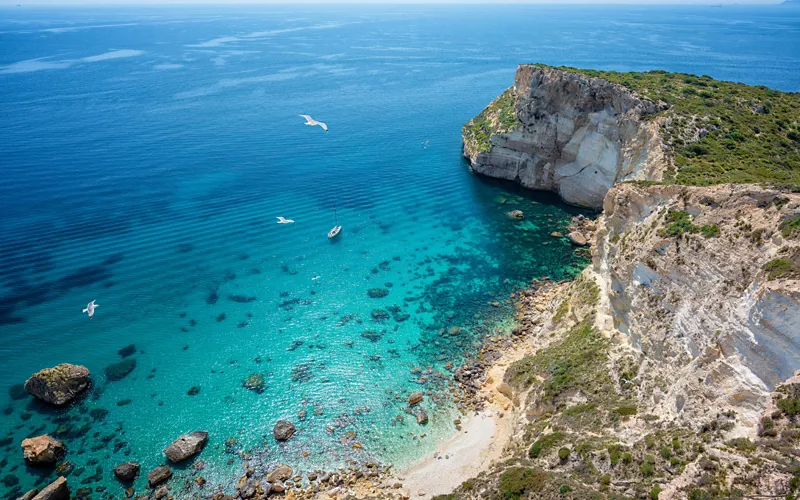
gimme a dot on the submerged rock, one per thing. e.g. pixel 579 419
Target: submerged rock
pixel 516 214
pixel 377 293
pixel 42 450
pixel 128 350
pixel 17 392
pixel 422 417
pixel 57 490
pixel 159 475
pixel 127 472
pixel 283 430
pixel 119 371
pixel 58 385
pixel 186 446
pixel 255 383
pixel 415 398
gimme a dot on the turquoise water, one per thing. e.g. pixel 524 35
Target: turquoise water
pixel 147 152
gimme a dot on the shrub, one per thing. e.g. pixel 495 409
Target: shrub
pixel 515 482
pixel 790 227
pixel 666 452
pixel 654 492
pixel 627 458
pixel 544 443
pixel 563 453
pixel 564 489
pixel 647 467
pixel 780 267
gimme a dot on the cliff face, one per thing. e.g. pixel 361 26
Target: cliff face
pixel 705 282
pixel 564 132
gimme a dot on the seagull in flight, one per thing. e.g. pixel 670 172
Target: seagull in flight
pixel 310 121
pixel 281 220
pixel 90 307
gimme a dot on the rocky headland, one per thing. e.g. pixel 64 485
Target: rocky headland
pixel 668 368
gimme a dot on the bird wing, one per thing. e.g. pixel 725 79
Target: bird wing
pixel 85 310
pixel 324 127
pixel 280 219
pixel 308 118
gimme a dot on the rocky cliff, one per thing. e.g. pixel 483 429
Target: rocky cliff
pixel 560 131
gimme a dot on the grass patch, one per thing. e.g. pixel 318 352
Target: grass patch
pixel 790 228
pixel 721 132
pixel 517 481
pixel 544 443
pixel 578 362
pixel 678 223
pixel 783 267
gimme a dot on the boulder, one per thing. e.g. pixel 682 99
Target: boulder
pixel 516 214
pixel 279 474
pixel 57 490
pixel 283 430
pixel 58 385
pixel 255 383
pixel 578 239
pixel 42 450
pixel 159 475
pixel 422 417
pixel 29 495
pixel 186 446
pixel 414 398
pixel 505 390
pixel 127 472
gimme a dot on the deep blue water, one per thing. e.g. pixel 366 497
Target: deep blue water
pixel 144 156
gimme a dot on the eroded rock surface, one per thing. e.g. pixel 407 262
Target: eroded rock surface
pixel 574 135
pixel 186 446
pixel 58 385
pixel 41 450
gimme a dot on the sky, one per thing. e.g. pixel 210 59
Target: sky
pixel 382 2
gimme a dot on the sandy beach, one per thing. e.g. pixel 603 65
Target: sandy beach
pixel 482 439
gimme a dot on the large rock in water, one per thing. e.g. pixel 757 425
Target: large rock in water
pixel 571 134
pixel 41 450
pixel 57 490
pixel 58 385
pixel 127 472
pixel 186 446
pixel 159 475
pixel 283 430
pixel 279 474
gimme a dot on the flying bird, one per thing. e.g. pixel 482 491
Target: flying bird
pixel 310 121
pixel 90 307
pixel 281 220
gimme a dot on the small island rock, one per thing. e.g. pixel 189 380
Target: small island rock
pixel 43 449
pixel 283 430
pixel 127 471
pixel 186 446
pixel 159 475
pixel 58 385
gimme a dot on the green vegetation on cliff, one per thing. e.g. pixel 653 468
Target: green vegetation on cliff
pixel 721 132
pixel 499 117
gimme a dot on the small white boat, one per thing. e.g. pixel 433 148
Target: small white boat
pixel 333 233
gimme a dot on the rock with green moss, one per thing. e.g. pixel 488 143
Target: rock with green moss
pixel 58 385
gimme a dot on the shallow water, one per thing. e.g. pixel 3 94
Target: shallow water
pixel 147 152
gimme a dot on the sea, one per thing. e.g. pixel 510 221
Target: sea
pixel 146 153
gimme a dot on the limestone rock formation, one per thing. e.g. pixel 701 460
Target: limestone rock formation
pixel 58 385
pixel 283 430
pixel 186 446
pixel 41 450
pixel 568 133
pixel 57 490
pixel 127 472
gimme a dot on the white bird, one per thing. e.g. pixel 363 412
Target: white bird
pixel 90 307
pixel 310 121
pixel 281 220
pixel 315 278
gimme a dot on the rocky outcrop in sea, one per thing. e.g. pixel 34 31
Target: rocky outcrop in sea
pixel 58 385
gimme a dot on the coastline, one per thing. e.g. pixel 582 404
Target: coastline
pixel 481 440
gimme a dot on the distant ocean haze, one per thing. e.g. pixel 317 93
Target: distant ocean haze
pixel 147 154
